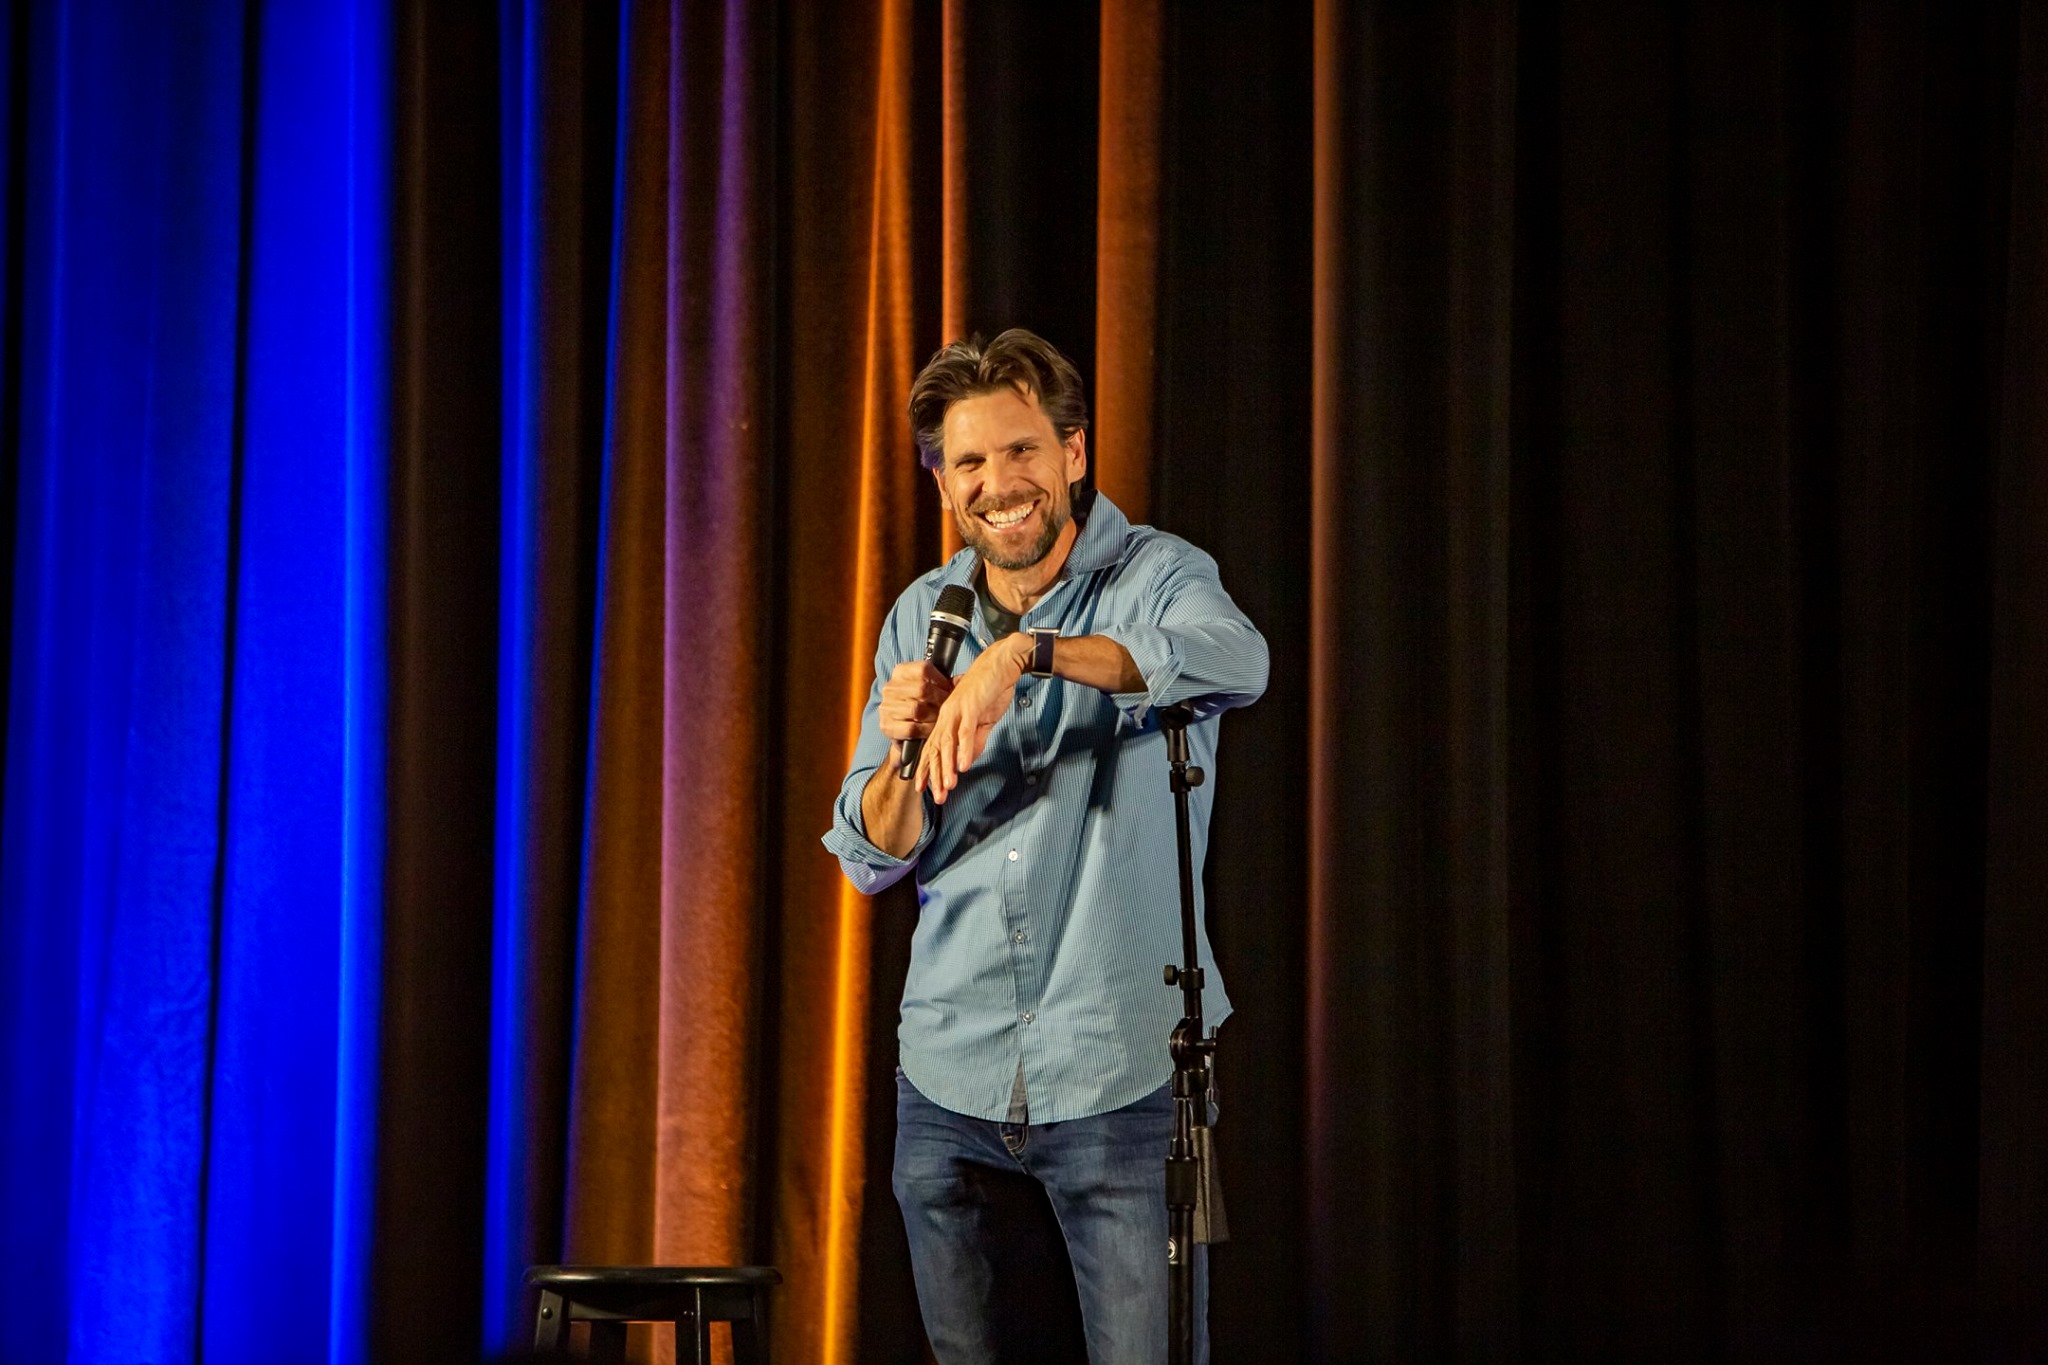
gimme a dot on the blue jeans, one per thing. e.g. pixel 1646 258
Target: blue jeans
pixel 986 1259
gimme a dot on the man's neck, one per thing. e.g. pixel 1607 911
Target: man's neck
pixel 1019 590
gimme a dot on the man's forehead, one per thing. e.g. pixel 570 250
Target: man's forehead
pixel 1003 416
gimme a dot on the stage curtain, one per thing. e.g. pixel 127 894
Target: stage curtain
pixel 1127 166
pixel 1621 418
pixel 1670 525
pixel 640 641
pixel 190 864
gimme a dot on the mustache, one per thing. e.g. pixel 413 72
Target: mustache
pixel 987 505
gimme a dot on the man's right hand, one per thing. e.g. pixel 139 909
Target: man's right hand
pixel 891 809
pixel 911 699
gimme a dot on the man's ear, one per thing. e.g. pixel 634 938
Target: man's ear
pixel 945 500
pixel 1077 454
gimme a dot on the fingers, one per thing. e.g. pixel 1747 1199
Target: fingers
pixel 962 747
pixel 911 698
pixel 939 747
pixel 953 717
pixel 936 772
pixel 930 775
pixel 954 737
pixel 973 741
pixel 949 767
pixel 902 720
pixel 920 681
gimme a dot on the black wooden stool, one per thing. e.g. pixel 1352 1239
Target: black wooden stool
pixel 609 1297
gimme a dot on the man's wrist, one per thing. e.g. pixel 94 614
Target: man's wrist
pixel 1043 640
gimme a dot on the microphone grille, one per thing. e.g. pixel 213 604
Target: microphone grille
pixel 955 600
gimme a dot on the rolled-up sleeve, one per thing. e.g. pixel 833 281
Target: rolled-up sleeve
pixel 866 866
pixel 1190 642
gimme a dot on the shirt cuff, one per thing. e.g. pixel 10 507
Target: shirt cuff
pixel 1157 654
pixel 869 868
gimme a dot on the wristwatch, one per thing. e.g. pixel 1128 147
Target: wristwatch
pixel 1041 650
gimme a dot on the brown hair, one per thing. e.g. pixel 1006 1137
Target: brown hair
pixel 971 367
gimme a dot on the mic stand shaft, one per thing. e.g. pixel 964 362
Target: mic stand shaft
pixel 1190 1179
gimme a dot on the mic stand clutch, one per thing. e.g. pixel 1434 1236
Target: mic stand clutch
pixel 1194 1196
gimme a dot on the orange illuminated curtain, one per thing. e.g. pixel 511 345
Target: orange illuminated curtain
pixel 678 924
pixel 954 187
pixel 1127 250
pixel 859 524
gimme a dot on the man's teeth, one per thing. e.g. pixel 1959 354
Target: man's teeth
pixel 1009 518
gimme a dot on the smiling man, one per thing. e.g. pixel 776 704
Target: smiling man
pixel 1039 825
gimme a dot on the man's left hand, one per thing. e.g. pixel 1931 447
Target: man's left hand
pixel 978 700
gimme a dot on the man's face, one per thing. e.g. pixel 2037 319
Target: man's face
pixel 1006 474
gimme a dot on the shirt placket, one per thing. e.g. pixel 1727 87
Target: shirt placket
pixel 1021 922
pixel 1021 873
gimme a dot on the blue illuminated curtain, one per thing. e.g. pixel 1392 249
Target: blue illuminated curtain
pixel 191 847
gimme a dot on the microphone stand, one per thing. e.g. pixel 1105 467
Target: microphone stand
pixel 1194 1197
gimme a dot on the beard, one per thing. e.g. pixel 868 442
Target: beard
pixel 1052 520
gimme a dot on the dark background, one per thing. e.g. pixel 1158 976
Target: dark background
pixel 1668 677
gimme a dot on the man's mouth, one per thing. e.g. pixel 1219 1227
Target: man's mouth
pixel 1009 517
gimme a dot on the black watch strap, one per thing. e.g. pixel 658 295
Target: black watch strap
pixel 1041 650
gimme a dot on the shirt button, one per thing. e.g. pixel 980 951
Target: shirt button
pixel 1017 937
pixel 1031 779
pixel 1029 1016
pixel 1013 855
pixel 1024 702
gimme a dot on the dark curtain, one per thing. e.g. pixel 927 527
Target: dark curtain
pixel 1651 739
pixel 1667 571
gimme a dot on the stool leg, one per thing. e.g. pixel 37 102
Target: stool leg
pixel 699 1352
pixel 608 1343
pixel 750 1333
pixel 547 1326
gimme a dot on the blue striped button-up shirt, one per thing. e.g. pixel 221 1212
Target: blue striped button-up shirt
pixel 1048 888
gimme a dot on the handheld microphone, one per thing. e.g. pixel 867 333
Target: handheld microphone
pixel 941 647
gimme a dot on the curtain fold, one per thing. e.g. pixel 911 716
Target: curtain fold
pixel 1410 1253
pixel 613 1104
pixel 291 930
pixel 712 807
pixel 1231 472
pixel 557 83
pixel 664 1123
pixel 854 530
pixel 432 1082
pixel 1127 248
pixel 108 1118
pixel 2012 1247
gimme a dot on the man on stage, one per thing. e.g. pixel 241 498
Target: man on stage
pixel 1039 824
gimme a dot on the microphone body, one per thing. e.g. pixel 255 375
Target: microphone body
pixel 941 647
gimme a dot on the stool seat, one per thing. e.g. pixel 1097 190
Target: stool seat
pixel 610 1296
